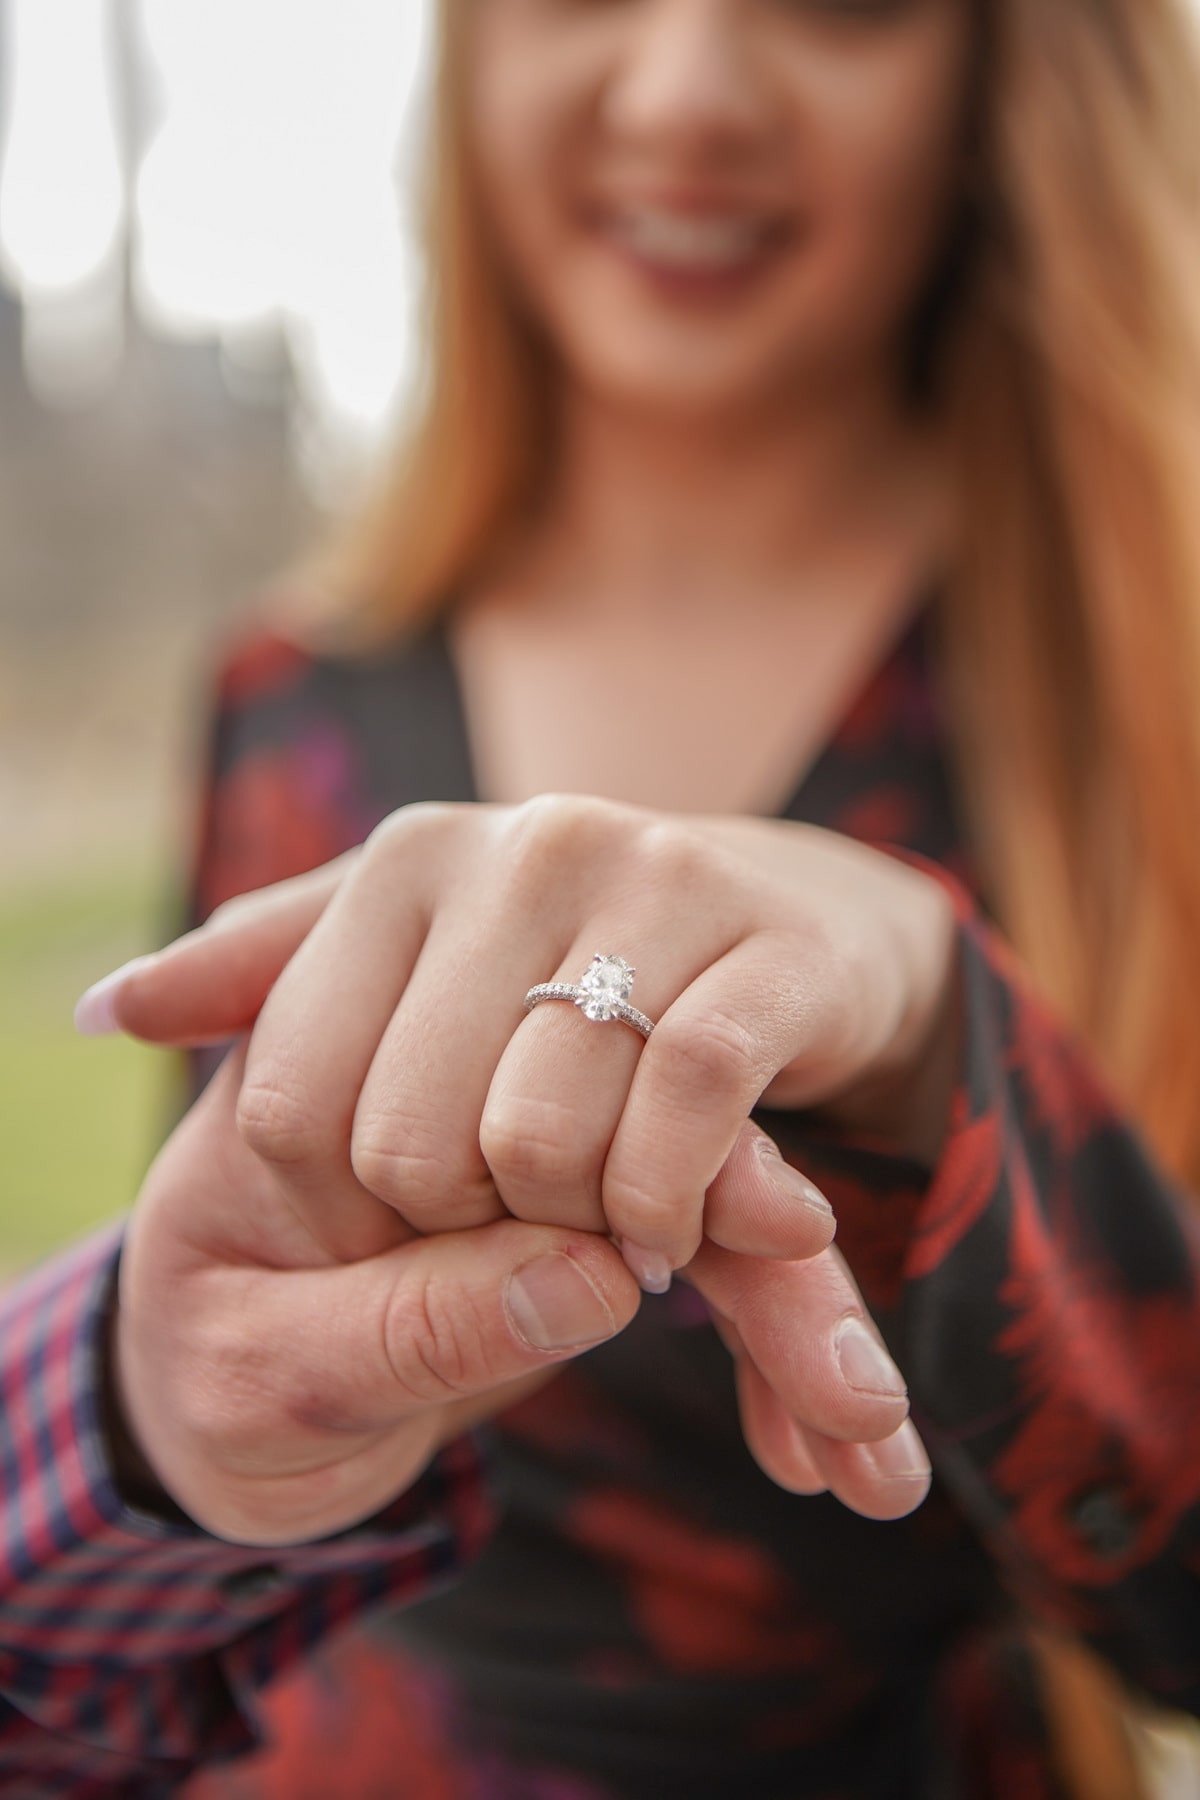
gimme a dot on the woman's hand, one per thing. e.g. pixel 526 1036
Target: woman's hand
pixel 393 1080
pixel 786 965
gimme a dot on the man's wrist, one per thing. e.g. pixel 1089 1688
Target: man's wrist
pixel 135 1481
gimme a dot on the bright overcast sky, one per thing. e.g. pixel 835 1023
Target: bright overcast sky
pixel 268 189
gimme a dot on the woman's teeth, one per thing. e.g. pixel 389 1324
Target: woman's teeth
pixel 688 242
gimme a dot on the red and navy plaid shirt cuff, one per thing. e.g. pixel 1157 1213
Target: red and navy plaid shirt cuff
pixel 86 1578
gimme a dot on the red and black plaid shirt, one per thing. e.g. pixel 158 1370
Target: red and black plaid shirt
pixel 601 1595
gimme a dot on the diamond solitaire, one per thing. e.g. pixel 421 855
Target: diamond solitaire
pixel 606 980
pixel 602 993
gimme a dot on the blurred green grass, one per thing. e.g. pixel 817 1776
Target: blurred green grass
pixel 80 1118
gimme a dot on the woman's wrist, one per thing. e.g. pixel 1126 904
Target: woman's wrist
pixel 906 1100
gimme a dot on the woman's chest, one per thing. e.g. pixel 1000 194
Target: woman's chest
pixel 680 718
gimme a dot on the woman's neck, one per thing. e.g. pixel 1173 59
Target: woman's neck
pixel 665 515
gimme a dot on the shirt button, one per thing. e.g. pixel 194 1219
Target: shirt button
pixel 245 1590
pixel 1101 1518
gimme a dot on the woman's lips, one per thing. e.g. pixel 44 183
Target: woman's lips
pixel 695 254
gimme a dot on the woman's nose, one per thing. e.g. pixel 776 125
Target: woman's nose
pixel 689 75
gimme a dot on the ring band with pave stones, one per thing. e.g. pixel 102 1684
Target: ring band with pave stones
pixel 602 993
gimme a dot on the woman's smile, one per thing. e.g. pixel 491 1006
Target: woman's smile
pixel 705 206
pixel 694 252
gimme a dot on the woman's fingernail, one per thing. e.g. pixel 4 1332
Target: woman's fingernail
pixel 650 1268
pixel 790 1181
pixel 901 1457
pixel 95 1014
pixel 554 1306
pixel 865 1364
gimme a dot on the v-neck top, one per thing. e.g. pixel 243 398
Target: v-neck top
pixel 905 658
pixel 903 663
pixel 388 728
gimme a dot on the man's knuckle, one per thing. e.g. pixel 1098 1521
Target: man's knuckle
pixel 304 1401
pixel 230 1404
pixel 434 1343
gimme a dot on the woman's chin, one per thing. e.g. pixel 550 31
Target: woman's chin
pixel 688 390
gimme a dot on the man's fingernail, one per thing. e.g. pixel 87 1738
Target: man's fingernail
pixel 650 1268
pixel 790 1181
pixel 95 1014
pixel 901 1457
pixel 554 1306
pixel 865 1364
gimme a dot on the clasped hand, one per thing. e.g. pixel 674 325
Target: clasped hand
pixel 398 1204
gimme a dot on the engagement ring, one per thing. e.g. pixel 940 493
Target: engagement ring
pixel 602 993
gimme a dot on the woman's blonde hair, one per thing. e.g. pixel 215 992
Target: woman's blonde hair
pixel 1063 347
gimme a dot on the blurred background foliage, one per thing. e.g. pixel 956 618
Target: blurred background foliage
pixel 206 332
pixel 79 1117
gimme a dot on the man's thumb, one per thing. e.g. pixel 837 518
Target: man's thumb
pixel 468 1311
